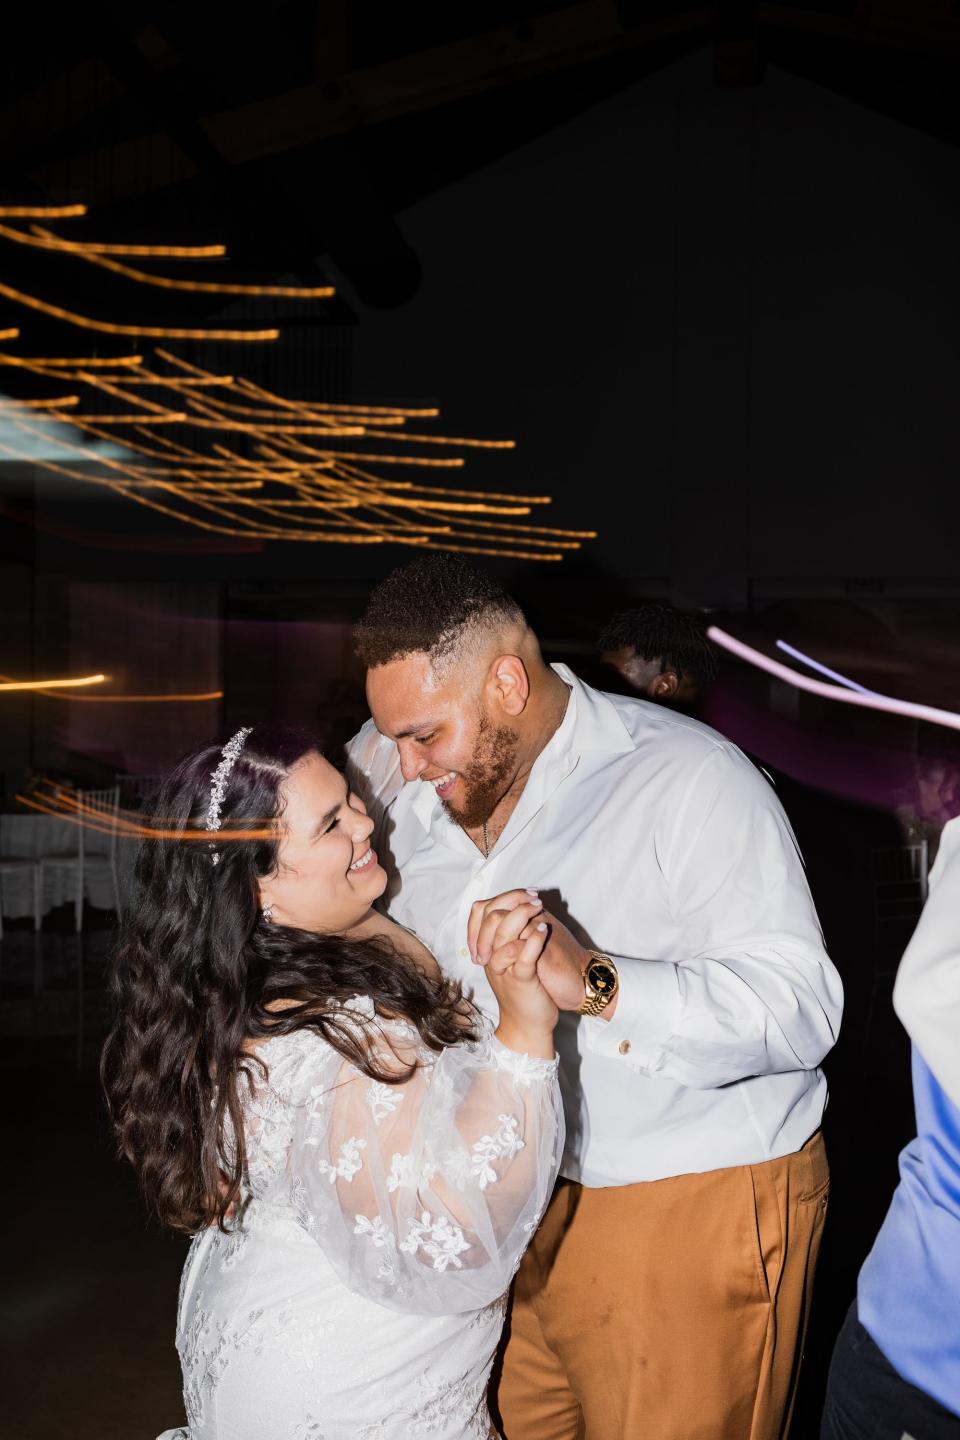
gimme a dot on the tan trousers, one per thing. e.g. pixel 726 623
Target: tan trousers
pixel 670 1310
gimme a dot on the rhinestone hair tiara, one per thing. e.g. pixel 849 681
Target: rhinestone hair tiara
pixel 219 778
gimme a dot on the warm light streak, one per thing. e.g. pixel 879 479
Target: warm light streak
pixel 489 550
pixel 87 362
pixel 58 694
pixel 448 462
pixel 305 405
pixel 173 418
pixel 96 256
pixel 297 484
pixel 379 412
pixel 409 485
pixel 42 212
pixel 12 334
pixel 445 440
pixel 320 424
pixel 186 698
pixel 147 332
pixel 177 382
pixel 8 685
pixel 372 534
pixel 887 703
pixel 56 800
pixel 95 247
pixel 61 402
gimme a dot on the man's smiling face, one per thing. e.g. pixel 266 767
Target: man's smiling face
pixel 444 734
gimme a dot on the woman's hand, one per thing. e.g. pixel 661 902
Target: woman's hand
pixel 527 1013
pixel 563 960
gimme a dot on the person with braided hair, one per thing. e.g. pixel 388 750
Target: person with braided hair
pixel 661 653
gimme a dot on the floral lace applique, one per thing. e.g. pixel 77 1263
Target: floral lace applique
pixel 493 1314
pixel 440 1239
pixel 503 1144
pixel 349 1163
pixel 231 1247
pixel 444 1401
pixel 383 1100
pixel 375 1229
pixel 302 1339
pixel 206 1351
pixel 456 1167
pixel 403 1176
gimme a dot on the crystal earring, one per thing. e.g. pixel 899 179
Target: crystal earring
pixel 268 913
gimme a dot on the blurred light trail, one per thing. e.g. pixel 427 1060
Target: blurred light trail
pixel 141 699
pixel 50 798
pixel 150 332
pixel 52 684
pixel 53 693
pixel 872 701
pixel 823 669
pixel 96 256
pixel 42 212
pixel 94 247
pixel 84 362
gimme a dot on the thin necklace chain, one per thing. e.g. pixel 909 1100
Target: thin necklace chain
pixel 483 827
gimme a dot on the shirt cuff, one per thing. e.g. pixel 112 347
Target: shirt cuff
pixel 647 1014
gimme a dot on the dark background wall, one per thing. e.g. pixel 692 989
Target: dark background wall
pixel 722 325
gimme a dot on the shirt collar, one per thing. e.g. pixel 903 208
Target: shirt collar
pixel 595 723
pixel 591 723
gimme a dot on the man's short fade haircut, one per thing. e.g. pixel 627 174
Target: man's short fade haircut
pixel 431 606
pixel 659 632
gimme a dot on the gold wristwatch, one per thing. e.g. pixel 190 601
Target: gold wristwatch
pixel 601 980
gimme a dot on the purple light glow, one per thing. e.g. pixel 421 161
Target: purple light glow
pixel 823 669
pixel 868 701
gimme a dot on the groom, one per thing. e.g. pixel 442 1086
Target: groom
pixel 667 1289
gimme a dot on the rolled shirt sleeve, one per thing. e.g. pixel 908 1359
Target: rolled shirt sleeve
pixel 751 990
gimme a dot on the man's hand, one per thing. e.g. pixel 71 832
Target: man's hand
pixel 561 966
pixel 563 960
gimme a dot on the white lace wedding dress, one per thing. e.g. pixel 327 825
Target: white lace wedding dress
pixel 361 1292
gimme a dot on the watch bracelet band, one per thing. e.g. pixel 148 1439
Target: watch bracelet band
pixel 596 1004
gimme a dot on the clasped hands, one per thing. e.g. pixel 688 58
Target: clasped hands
pixel 507 928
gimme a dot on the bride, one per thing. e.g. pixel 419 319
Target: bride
pixel 360 1161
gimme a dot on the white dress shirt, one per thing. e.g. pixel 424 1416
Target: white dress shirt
pixel 926 995
pixel 657 842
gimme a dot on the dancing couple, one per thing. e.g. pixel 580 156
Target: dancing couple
pixel 507 1041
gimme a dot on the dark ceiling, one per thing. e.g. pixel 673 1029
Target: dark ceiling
pixel 304 136
pixel 297 135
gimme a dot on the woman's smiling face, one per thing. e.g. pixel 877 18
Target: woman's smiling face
pixel 327 874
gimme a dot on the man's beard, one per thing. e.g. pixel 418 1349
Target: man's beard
pixel 487 777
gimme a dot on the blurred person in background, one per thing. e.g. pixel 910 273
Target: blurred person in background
pixel 896 1365
pixel 660 653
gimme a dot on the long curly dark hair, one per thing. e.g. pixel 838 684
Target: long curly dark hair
pixel 198 973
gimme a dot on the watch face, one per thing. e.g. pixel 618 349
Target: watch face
pixel 601 976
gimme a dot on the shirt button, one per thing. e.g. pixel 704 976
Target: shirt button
pixel 464 952
pixel 624 1047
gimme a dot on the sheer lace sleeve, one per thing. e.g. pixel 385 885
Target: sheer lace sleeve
pixel 373 769
pixel 424 1195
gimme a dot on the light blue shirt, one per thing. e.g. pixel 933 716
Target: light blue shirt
pixel 908 1296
